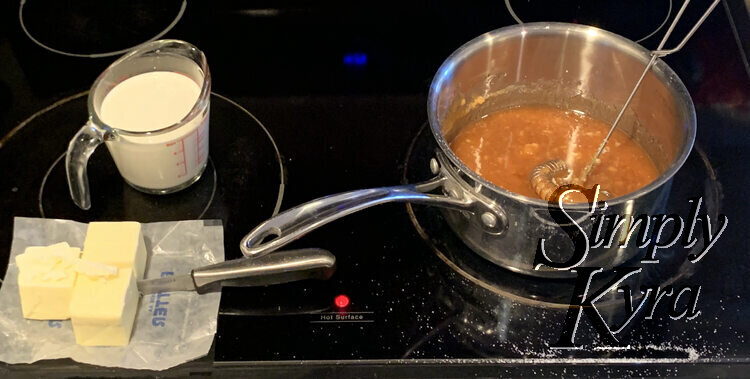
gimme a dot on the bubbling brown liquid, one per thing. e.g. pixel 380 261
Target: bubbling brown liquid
pixel 504 147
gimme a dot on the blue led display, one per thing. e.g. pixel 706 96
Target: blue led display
pixel 355 59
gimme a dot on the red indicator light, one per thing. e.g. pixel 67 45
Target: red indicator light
pixel 341 301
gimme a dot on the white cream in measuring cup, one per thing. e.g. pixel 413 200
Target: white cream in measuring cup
pixel 149 102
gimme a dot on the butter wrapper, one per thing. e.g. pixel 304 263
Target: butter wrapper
pixel 170 328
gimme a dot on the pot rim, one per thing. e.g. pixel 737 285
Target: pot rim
pixel 665 74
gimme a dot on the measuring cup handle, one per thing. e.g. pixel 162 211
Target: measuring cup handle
pixel 80 149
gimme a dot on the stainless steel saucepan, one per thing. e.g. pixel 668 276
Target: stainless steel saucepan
pixel 563 65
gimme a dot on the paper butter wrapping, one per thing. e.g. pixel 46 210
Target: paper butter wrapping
pixel 170 328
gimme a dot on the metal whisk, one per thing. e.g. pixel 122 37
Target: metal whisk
pixel 548 176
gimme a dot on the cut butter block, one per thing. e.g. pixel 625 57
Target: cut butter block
pixel 103 309
pixel 116 243
pixel 46 278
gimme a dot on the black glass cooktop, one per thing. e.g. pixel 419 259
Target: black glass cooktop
pixel 314 99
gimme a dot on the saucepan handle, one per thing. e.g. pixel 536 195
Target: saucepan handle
pixel 294 223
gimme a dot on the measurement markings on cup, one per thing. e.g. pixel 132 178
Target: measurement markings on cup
pixel 180 153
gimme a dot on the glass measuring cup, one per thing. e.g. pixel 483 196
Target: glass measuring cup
pixel 159 161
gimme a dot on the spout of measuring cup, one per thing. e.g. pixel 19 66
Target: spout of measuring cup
pixel 80 149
